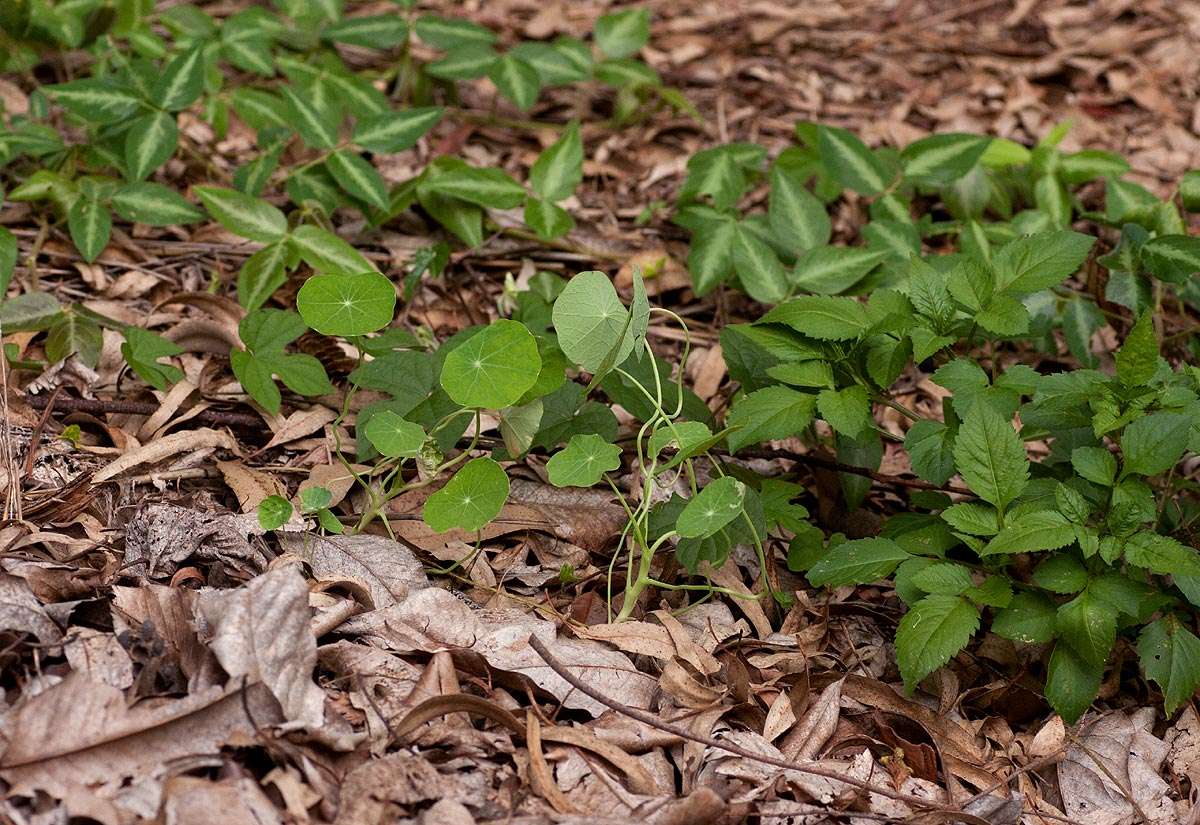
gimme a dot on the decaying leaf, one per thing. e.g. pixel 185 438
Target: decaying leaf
pixel 160 537
pixel 386 567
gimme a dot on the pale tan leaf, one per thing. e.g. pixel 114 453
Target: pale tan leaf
pixel 388 568
pixel 250 486
pixel 99 657
pixel 21 613
pixel 166 447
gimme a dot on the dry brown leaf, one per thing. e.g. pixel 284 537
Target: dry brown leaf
pixel 167 615
pixel 188 800
pixel 299 424
pixel 84 733
pixel 816 726
pixel 250 486
pixel 21 613
pixel 388 568
pixel 99 657
pixel 166 447
pixel 160 537
pixel 262 631
pixel 1111 771
pixel 1183 746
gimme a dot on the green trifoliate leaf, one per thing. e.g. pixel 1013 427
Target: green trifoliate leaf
pixel 90 224
pixel 583 462
pixel 1035 262
pixel 850 162
pixel 1034 532
pixel 798 218
pixel 490 188
pixel 473 497
pixel 358 178
pixel 243 215
pixel 326 252
pixel 390 132
pixel 861 561
pixel 847 410
pixel 493 368
pixel 712 508
pixel 1172 258
pixel 393 435
pixel 316 127
pixel 30 311
pixel 831 269
pixel 820 316
pixel 262 274
pixel 1189 190
pixel 8 258
pixel 990 456
pixel 710 259
pixel 181 82
pixel 1170 655
pixel 154 205
pixel 769 414
pixel 1029 618
pixel 1091 164
pixel 375 31
pixel 1154 443
pixel 943 158
pixel 1072 682
pixel 74 334
pixel 931 632
pixel 448 33
pixel 1089 626
pixel 1080 321
pixel 559 169
pixel 547 219
pixel 758 267
pixel 463 63
pixel 347 304
pixel 592 323
pixel 516 80
pixel 1137 359
pixel 623 33
pixel 274 512
pixel 100 101
pixel 143 349
pixel 722 173
pixel 149 143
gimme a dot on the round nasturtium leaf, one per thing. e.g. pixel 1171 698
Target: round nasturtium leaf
pixel 393 435
pixel 583 461
pixel 274 512
pixel 472 498
pixel 592 323
pixel 493 368
pixel 712 508
pixel 347 304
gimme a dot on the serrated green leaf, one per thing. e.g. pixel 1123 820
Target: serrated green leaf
pixel 1089 626
pixel 1154 443
pixel 847 410
pixel 931 632
pixel 1061 573
pixel 1035 262
pixel 990 456
pixel 1029 618
pixel 583 462
pixel 973 518
pixel 473 497
pixel 390 132
pixel 243 215
pixel 1137 359
pixel 347 304
pixel 850 162
pixel 1170 655
pixel 1034 532
pixel 358 178
pixel 493 368
pixel 1172 258
pixel 820 316
pixel 945 578
pixel 769 414
pixel 1162 555
pixel 930 446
